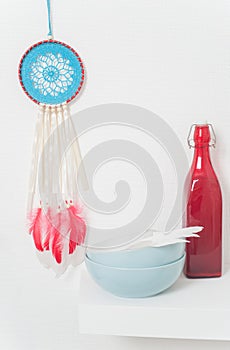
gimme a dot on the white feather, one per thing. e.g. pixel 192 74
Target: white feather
pixel 158 239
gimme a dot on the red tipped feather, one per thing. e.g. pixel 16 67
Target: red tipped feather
pixel 59 232
pixel 75 209
pixel 47 241
pixel 57 246
pixel 35 228
pixel 31 217
pixel 77 229
pixel 57 239
pixel 47 229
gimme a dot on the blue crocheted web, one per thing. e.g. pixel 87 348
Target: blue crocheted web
pixel 51 73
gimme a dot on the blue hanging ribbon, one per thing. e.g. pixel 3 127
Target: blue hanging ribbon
pixel 50 34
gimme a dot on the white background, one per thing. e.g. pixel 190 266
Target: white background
pixel 170 56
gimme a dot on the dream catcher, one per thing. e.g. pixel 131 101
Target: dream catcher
pixel 51 73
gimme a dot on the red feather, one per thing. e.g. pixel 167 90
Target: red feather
pixel 59 232
pixel 47 241
pixel 57 240
pixel 57 246
pixel 47 229
pixel 77 229
pixel 31 217
pixel 35 228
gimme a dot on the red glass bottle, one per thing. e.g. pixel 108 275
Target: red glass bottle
pixel 203 207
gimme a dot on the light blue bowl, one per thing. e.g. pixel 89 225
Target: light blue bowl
pixel 133 282
pixel 143 257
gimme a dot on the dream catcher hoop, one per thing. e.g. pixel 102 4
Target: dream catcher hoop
pixel 51 74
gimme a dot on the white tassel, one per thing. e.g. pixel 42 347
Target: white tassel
pixel 56 190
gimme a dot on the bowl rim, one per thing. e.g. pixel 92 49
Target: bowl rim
pixel 136 268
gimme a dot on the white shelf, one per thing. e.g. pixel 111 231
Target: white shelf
pixel 191 309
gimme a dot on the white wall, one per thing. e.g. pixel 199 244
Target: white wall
pixel 183 49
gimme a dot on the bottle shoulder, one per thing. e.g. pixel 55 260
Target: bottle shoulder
pixel 206 172
pixel 209 187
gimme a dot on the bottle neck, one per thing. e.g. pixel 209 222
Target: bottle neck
pixel 201 158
